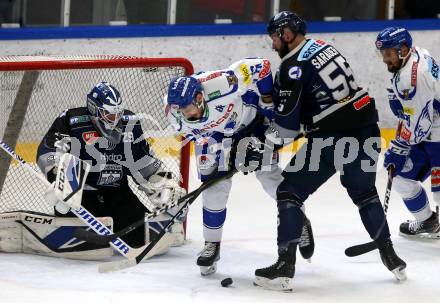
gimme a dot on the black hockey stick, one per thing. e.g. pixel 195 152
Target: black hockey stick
pixel 84 235
pixel 360 249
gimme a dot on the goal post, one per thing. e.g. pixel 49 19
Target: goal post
pixel 34 90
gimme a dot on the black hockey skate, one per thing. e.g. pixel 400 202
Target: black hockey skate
pixel 278 276
pixel 429 228
pixel 208 258
pixel 391 260
pixel 307 242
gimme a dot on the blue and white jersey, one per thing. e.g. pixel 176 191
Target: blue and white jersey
pixel 232 100
pixel 414 97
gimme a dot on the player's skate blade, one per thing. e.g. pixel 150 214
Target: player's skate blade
pixel 430 236
pixel 400 274
pixel 207 261
pixel 208 270
pixel 277 284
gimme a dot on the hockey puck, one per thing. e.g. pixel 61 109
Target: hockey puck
pixel 226 282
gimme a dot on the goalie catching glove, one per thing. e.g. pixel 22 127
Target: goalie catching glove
pixel 162 189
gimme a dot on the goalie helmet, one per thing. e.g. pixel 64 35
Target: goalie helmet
pixel 182 91
pixel 104 106
pixel 393 37
pixel 286 19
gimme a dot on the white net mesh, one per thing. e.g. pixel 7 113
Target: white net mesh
pixel 48 92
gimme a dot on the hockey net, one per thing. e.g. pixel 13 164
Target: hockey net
pixel 35 90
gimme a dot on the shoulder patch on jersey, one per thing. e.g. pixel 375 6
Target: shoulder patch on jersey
pixel 310 48
pixel 127 118
pixel 79 119
pixel 90 137
pixel 295 72
pixel 245 72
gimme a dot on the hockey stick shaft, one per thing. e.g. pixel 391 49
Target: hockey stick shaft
pixel 187 200
pixel 360 249
pixel 82 213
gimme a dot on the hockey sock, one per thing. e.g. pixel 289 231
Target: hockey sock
pixel 374 220
pixel 290 223
pixel 419 205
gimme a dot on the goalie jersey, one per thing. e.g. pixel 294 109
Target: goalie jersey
pixel 414 98
pixel 111 162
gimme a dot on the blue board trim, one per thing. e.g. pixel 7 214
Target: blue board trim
pixel 133 31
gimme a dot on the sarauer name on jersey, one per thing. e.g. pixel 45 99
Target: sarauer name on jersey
pixel 324 56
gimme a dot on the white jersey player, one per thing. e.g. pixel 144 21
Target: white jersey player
pixel 216 109
pixel 415 153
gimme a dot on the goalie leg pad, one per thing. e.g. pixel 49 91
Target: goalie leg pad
pixel 46 235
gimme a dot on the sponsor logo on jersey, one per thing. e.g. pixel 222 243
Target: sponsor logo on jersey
pixel 111 157
pixel 79 119
pixel 220 108
pixel 214 124
pixel 311 48
pixel 414 74
pixel 127 118
pixel 110 175
pixel 408 110
pixel 321 94
pixel 295 72
pixel 362 102
pixel 435 177
pixel 405 134
pixel 266 69
pixel 214 95
pixel 285 93
pixel 210 77
pixel 245 73
pixel 90 137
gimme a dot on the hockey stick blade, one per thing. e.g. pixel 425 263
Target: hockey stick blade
pixel 166 241
pixel 84 235
pixel 357 250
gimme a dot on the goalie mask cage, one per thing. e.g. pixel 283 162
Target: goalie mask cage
pixel 35 90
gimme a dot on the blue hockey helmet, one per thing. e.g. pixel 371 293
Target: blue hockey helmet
pixel 393 37
pixel 286 19
pixel 104 105
pixel 182 91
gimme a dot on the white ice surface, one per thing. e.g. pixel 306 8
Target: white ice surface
pixel 249 243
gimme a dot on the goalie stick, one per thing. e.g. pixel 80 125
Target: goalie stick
pixel 84 215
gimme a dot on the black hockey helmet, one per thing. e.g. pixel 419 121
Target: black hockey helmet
pixel 286 19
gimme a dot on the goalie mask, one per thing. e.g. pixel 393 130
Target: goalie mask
pixel 104 106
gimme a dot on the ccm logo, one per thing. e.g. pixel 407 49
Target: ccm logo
pixel 38 220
